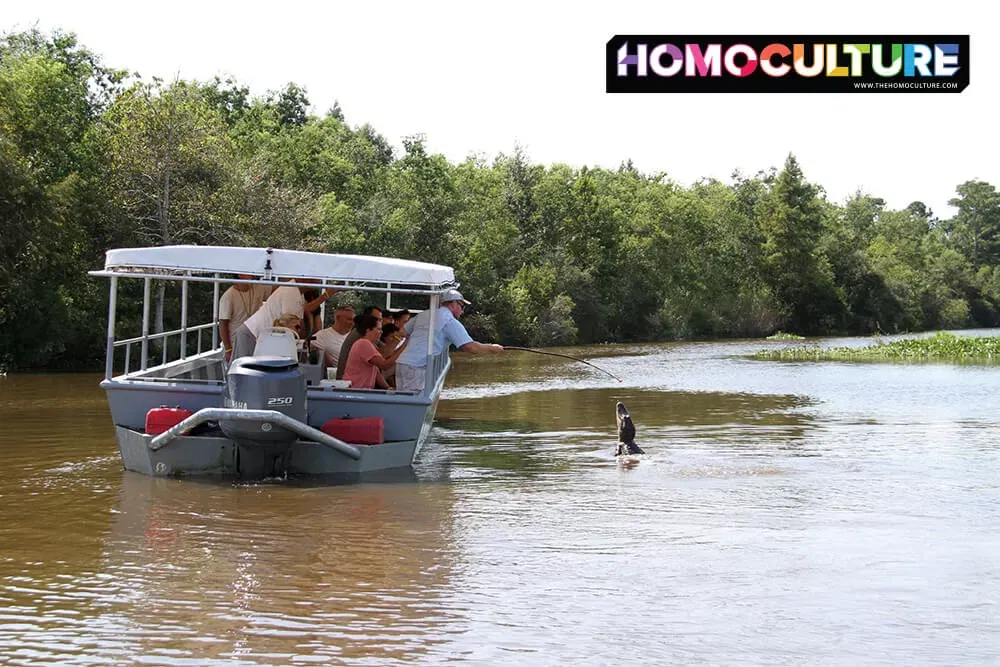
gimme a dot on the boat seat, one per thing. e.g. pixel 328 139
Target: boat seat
pixel 276 342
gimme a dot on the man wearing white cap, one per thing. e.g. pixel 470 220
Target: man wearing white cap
pixel 412 364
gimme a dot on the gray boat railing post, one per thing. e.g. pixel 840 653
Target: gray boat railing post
pixel 112 306
pixel 165 347
pixel 146 288
pixel 215 315
pixel 322 307
pixel 429 368
pixel 184 319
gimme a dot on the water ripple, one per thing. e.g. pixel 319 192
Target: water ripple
pixel 782 514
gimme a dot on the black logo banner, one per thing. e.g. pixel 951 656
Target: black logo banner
pixel 787 64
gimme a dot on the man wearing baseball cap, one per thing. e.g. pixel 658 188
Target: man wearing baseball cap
pixel 412 364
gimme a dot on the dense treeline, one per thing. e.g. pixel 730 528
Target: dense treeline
pixel 92 158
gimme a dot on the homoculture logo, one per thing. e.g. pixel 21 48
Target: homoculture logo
pixel 787 64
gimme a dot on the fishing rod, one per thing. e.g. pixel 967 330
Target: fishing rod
pixel 565 356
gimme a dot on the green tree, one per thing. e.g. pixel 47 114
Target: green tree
pixel 791 219
pixel 426 205
pixel 168 155
pixel 870 304
pixel 977 224
pixel 168 158
pixel 292 106
pixel 228 97
pixel 51 92
pixel 486 228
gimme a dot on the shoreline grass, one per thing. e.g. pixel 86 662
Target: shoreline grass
pixel 781 335
pixel 942 347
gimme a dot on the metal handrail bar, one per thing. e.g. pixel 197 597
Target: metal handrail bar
pixel 162 334
pixel 440 362
pixel 165 335
pixel 272 416
pixel 195 381
pixel 441 365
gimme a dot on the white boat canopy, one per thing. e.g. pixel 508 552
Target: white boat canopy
pixel 271 263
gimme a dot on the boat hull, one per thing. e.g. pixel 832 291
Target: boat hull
pixel 407 418
pixel 217 456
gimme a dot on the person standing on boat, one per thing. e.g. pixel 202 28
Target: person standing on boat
pixel 313 320
pixel 285 299
pixel 412 364
pixel 237 304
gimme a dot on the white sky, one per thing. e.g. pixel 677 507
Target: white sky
pixel 483 78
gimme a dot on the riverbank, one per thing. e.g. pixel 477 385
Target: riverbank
pixel 940 347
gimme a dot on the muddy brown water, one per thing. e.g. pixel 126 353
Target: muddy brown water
pixel 785 513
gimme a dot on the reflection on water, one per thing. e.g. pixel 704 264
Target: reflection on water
pixel 783 514
pixel 279 570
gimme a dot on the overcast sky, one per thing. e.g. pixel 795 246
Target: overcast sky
pixel 486 77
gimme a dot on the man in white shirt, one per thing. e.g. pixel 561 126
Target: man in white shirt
pixel 237 304
pixel 285 299
pixel 412 364
pixel 329 340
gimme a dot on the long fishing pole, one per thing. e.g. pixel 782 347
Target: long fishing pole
pixel 565 356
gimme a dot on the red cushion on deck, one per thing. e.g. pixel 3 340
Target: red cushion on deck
pixel 362 431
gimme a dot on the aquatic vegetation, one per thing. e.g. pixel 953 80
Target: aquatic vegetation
pixel 942 346
pixel 781 335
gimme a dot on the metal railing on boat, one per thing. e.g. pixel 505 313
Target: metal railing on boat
pixel 165 337
pixel 270 416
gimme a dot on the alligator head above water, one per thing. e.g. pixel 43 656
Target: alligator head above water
pixel 626 432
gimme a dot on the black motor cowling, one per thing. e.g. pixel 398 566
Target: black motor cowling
pixel 263 383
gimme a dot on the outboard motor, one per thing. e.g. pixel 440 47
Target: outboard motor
pixel 263 383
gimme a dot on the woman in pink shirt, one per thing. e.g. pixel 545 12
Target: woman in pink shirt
pixel 364 362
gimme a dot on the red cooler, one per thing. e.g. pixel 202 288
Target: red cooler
pixel 162 418
pixel 363 431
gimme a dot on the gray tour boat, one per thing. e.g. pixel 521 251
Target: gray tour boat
pixel 263 415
